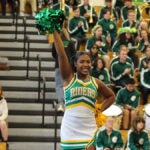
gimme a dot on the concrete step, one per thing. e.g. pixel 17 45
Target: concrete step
pixel 23 73
pixel 25 83
pixel 32 132
pixel 32 119
pixel 33 146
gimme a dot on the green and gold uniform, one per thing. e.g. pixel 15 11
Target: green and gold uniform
pixel 141 66
pixel 78 128
pixel 142 46
pixel 112 141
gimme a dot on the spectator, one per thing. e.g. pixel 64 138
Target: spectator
pixel 64 7
pixel 109 26
pixel 121 70
pixel 77 28
pixel 81 90
pixel 109 6
pixel 100 71
pixel 125 37
pixel 137 136
pixel 145 83
pixel 88 12
pixel 128 98
pixel 101 43
pixel 145 40
pixel 70 51
pixel 23 4
pixel 109 138
pixel 128 6
pixel 118 5
pixel 3 116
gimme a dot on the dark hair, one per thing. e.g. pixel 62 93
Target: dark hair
pixel 107 10
pixel 136 121
pixel 95 63
pixel 75 8
pixel 120 48
pixel 130 81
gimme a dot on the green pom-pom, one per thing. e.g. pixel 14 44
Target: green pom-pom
pixel 48 20
pixel 126 30
pixel 133 30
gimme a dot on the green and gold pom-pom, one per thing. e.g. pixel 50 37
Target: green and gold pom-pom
pixel 48 20
pixel 126 30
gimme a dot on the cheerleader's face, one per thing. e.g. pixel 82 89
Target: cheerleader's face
pixel 130 87
pixel 131 16
pixel 83 65
pixel 98 32
pixel 99 64
pixel 108 4
pixel 107 15
pixel 128 35
pixel 144 34
pixel 148 52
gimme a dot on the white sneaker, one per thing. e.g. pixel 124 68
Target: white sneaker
pixel 61 108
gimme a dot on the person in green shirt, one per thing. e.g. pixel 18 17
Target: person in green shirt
pixel 100 71
pixel 137 136
pixel 77 28
pixel 125 37
pixel 145 83
pixel 128 99
pixel 128 6
pixel 109 26
pixel 101 43
pixel 88 12
pixel 109 138
pixel 60 6
pixel 114 15
pixel 145 40
pixel 121 70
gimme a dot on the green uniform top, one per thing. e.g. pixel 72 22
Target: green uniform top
pixel 107 8
pixel 125 97
pixel 76 31
pixel 126 23
pixel 103 75
pixel 86 9
pixel 142 46
pixel 67 10
pixel 129 44
pixel 124 12
pixel 145 78
pixel 138 140
pixel 141 66
pixel 117 70
pixel 109 27
pixel 103 49
pixel 114 140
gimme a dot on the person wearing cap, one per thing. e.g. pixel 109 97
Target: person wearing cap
pixel 128 98
pixel 77 28
pixel 137 136
pixel 101 43
pixel 114 15
pixel 121 70
pixel 128 6
pixel 125 37
pixel 109 138
pixel 88 12
pixel 109 26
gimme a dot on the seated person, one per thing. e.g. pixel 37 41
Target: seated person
pixel 121 70
pixel 100 71
pixel 145 82
pixel 3 116
pixel 77 28
pixel 33 6
pixel 128 98
pixel 88 12
pixel 137 136
pixel 114 15
pixel 109 138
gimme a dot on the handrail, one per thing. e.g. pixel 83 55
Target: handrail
pixel 43 108
pixel 55 124
pixel 39 76
pixel 28 56
pixel 24 39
